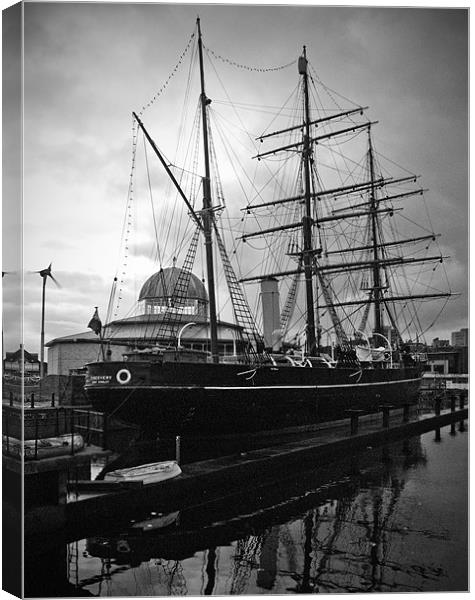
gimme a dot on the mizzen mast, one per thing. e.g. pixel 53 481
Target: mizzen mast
pixel 307 217
pixel 207 212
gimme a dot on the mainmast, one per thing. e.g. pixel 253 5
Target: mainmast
pixel 208 209
pixel 374 232
pixel 307 218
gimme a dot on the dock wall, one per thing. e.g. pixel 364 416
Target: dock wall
pixel 211 479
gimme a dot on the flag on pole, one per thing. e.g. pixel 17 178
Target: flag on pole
pixel 95 323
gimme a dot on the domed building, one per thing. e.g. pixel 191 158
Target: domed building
pixel 161 319
pixel 156 295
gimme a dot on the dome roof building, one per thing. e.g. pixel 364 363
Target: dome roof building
pixel 157 293
pixel 150 326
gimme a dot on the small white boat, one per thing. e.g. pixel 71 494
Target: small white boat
pixel 43 447
pixel 149 473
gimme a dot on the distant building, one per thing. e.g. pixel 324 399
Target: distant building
pixel 460 338
pixel 21 364
pixel 437 343
pixel 447 360
pixel 68 354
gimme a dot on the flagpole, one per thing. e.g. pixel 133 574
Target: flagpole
pixel 96 326
pixel 101 340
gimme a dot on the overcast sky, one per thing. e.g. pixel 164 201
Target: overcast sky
pixel 87 66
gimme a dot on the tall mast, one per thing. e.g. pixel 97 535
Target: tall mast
pixel 208 209
pixel 374 231
pixel 307 218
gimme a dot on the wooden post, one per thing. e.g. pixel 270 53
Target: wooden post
pixel 437 435
pixel 354 416
pixel 386 408
pixel 178 449
pixel 72 431
pixel 7 432
pixel 88 427
pixel 438 402
pixel 36 436
pixel 11 398
pixel 57 422
pixel 52 399
pixel 104 431
pixel 405 414
pixel 453 401
pixel 462 400
pixel 32 400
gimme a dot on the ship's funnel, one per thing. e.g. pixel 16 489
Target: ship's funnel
pixel 270 311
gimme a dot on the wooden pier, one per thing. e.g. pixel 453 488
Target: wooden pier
pixel 206 480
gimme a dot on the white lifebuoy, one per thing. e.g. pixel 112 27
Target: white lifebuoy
pixel 123 376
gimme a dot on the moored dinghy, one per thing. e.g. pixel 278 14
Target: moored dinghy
pixel 148 473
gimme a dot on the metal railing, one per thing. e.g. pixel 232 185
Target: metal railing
pixel 45 429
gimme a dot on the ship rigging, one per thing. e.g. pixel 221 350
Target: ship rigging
pixel 323 216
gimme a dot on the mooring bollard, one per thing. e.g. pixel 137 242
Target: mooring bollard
pixel 437 435
pixel 452 429
pixel 178 449
pixel 438 402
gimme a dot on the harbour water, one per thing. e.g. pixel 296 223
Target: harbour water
pixel 388 519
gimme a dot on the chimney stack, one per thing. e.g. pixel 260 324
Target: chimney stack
pixel 271 313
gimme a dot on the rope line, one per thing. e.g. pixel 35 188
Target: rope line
pixel 169 78
pixel 247 67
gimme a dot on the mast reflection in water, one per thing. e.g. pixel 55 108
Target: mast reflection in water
pixel 392 519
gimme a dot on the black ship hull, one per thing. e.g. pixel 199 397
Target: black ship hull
pixel 166 398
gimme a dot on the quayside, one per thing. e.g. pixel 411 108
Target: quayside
pixel 320 228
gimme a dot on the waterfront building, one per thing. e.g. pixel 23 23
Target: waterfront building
pixel 69 354
pixel 21 363
pixel 460 338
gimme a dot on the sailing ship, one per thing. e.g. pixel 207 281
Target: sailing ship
pixel 338 239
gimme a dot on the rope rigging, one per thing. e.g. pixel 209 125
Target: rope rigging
pixel 335 162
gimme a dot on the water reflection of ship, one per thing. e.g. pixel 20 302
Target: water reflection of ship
pixel 346 542
pixel 337 544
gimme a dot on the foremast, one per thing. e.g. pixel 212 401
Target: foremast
pixel 207 213
pixel 206 224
